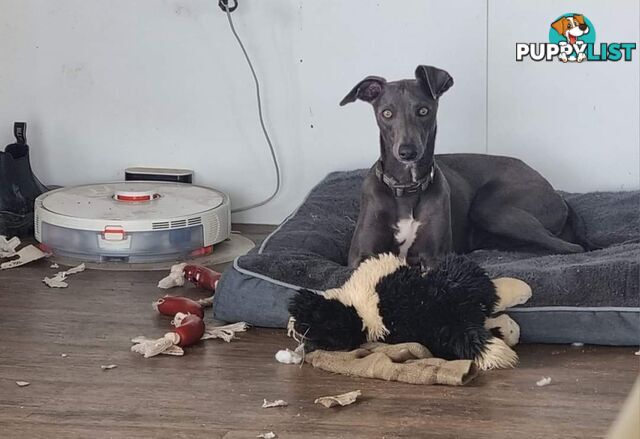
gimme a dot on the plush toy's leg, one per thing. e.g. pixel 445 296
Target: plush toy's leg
pixel 511 292
pixel 509 329
pixel 496 355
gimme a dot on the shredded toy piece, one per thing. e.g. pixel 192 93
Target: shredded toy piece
pixel 269 435
pixel 8 247
pixel 637 353
pixel 287 356
pixel 25 255
pixel 291 331
pixel 545 381
pixel 58 281
pixel 55 282
pixel 54 265
pixel 577 344
pixel 108 366
pixel 22 383
pixel 225 332
pixel 207 302
pixel 146 346
pixel 175 277
pixel 64 355
pixel 342 400
pixel 277 403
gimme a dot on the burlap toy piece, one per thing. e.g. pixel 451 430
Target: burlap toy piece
pixel 404 362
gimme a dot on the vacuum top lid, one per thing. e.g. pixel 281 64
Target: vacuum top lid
pixel 132 200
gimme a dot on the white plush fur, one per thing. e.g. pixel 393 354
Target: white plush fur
pixel 497 355
pixel 511 292
pixel 360 292
pixel 509 329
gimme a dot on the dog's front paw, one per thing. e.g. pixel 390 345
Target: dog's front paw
pixel 582 57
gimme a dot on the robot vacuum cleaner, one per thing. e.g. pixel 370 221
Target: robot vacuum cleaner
pixel 132 222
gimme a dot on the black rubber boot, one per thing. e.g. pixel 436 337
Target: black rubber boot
pixel 18 186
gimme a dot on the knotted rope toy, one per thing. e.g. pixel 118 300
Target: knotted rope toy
pixel 200 276
pixel 189 328
pixel 170 305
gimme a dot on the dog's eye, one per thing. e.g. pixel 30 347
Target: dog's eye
pixel 423 111
pixel 387 114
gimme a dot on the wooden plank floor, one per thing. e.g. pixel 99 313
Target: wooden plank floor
pixel 216 390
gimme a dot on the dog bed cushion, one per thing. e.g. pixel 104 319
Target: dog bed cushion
pixel 590 297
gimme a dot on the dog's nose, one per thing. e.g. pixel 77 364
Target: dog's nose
pixel 407 152
pixel 582 27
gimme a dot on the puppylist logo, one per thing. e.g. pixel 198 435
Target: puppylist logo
pixel 572 38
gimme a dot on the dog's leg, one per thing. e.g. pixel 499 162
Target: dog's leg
pixel 508 328
pixel 518 224
pixel 511 292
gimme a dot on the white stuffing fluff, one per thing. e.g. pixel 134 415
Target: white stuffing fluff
pixel 545 381
pixel 287 356
pixel 577 344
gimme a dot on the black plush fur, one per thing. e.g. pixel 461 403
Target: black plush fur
pixel 326 324
pixel 444 310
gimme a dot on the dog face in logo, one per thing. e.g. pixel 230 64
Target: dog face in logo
pixel 571 27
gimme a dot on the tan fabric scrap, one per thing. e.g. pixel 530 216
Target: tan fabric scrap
pixel 405 362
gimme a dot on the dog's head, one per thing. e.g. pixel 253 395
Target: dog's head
pixel 405 110
pixel 571 27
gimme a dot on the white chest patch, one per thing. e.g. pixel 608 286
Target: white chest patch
pixel 406 231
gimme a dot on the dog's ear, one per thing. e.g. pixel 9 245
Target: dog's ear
pixel 579 18
pixel 436 81
pixel 368 90
pixel 560 25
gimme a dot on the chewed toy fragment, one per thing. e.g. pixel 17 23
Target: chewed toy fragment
pixel 287 356
pixel 58 281
pixel 342 400
pixel 277 403
pixel 544 381
pixel 22 383
pixel 225 332
pixel 269 435
pixel 175 277
pixel 8 247
pixel 108 366
pixel 25 255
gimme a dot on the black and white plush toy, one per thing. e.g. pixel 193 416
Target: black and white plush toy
pixel 448 310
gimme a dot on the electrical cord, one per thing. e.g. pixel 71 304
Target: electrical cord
pixel 225 7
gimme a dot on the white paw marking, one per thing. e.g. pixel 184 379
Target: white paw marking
pixel 405 235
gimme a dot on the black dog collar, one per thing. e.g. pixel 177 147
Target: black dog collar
pixel 402 189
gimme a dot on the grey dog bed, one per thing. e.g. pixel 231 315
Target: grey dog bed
pixel 591 297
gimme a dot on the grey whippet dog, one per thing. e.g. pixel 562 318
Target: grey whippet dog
pixel 421 206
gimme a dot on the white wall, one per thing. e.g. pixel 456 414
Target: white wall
pixel 109 84
pixel 576 123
